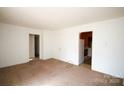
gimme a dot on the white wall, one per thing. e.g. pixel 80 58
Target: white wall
pixel 107 49
pixel 64 46
pixel 108 44
pixel 48 44
pixel 14 44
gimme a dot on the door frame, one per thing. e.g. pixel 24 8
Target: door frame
pixel 34 45
pixel 83 48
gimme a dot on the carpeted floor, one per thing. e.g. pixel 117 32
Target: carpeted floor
pixel 52 72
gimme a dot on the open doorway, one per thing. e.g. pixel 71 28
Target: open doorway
pixel 85 52
pixel 33 47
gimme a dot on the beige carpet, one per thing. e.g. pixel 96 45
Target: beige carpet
pixel 52 72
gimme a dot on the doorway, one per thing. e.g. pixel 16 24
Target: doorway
pixel 85 52
pixel 33 47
